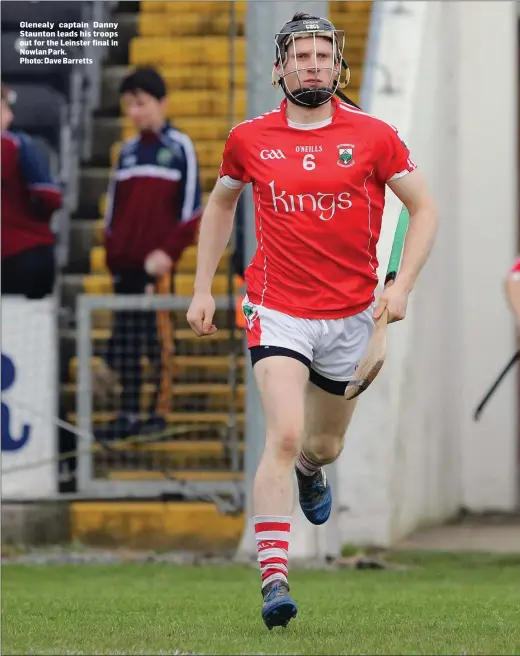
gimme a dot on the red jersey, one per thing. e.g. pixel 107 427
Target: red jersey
pixel 319 193
pixel 29 197
pixel 515 270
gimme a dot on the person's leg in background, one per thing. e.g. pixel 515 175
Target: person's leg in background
pixel 160 348
pixel 124 351
pixel 31 273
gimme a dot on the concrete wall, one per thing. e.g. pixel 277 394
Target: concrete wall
pixel 413 453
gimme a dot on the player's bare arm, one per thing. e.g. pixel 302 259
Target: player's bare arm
pixel 413 191
pixel 215 231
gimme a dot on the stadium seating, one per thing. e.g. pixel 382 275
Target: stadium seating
pixel 47 122
pixel 56 75
pixel 40 12
pixel 199 128
pixel 186 264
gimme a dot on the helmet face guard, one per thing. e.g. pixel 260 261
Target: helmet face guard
pixel 310 29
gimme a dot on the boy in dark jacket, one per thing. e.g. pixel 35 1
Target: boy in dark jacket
pixel 153 213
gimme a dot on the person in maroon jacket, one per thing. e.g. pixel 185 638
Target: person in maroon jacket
pixel 153 212
pixel 29 199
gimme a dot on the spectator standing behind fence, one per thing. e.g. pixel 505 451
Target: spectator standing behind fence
pixel 153 212
pixel 29 199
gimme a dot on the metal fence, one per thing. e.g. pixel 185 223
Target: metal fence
pixel 158 410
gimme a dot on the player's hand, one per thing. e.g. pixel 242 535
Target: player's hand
pixel 158 263
pixel 395 299
pixel 200 314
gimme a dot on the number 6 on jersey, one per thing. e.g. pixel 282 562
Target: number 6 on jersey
pixel 309 162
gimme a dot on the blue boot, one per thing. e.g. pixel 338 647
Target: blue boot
pixel 315 496
pixel 279 608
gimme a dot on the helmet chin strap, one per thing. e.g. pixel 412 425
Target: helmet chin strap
pixel 309 97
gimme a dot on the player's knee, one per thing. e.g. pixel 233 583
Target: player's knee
pixel 324 449
pixel 286 444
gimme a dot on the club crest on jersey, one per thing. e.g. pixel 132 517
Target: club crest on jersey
pixel 164 156
pixel 345 155
pixel 250 313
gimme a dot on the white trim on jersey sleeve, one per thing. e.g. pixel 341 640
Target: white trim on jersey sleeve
pixel 231 183
pixel 399 175
pixel 514 275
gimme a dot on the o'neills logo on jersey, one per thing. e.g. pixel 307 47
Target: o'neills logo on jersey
pixel 325 205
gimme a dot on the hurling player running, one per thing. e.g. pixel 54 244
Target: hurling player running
pixel 319 168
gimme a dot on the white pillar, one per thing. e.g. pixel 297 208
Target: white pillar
pixel 487 216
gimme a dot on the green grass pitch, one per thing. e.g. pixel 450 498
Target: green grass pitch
pixel 441 604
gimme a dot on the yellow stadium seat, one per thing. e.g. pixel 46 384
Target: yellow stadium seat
pixel 97 284
pixel 203 77
pixel 199 129
pixel 114 153
pixel 199 24
pixel 98 260
pixel 209 153
pixel 352 24
pixel 102 204
pixel 151 6
pixel 187 263
pixel 202 103
pixel 202 50
pixel 182 362
pixel 99 228
pixel 350 7
pixel 206 78
pixel 353 94
pixel 206 7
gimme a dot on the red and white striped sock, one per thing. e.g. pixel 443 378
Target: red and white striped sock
pixel 272 541
pixel 306 466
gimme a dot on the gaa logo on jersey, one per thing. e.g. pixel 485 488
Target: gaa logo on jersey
pixel 345 155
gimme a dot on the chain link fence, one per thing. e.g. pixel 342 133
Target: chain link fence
pixel 162 411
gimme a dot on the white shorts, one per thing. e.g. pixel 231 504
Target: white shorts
pixel 331 348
